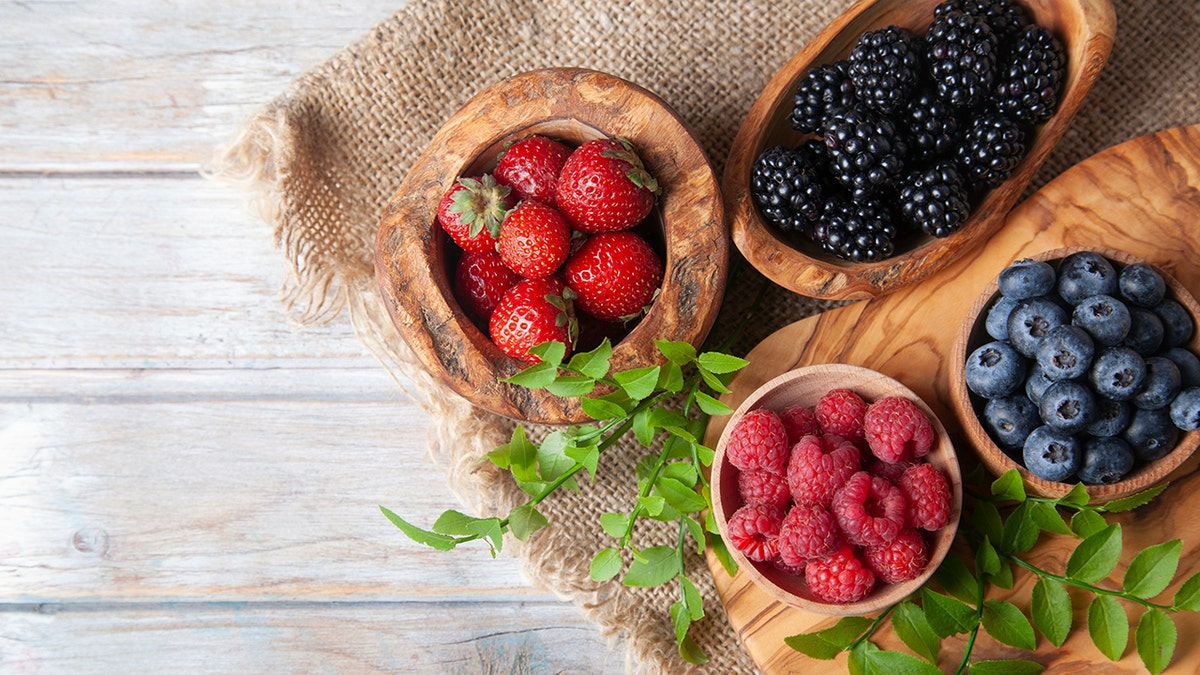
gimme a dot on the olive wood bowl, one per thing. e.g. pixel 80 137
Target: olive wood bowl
pixel 968 407
pixel 805 386
pixel 1086 29
pixel 573 106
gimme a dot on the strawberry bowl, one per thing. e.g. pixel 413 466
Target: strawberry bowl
pixel 417 262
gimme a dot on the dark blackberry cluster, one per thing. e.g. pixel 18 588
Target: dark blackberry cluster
pixel 915 125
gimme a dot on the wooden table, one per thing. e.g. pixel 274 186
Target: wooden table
pixel 187 482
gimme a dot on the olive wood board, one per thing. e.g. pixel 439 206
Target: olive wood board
pixel 1141 197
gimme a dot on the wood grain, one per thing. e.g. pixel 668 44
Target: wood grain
pixel 1132 198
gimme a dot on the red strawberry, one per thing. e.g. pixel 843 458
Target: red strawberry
pixel 480 280
pixel 604 187
pixel 615 275
pixel 534 240
pixel 530 313
pixel 531 167
pixel 471 212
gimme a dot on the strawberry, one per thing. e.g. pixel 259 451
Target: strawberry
pixel 534 240
pixel 615 275
pixel 480 280
pixel 604 187
pixel 471 212
pixel 530 313
pixel 531 167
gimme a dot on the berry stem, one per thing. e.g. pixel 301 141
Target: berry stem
pixel 1096 590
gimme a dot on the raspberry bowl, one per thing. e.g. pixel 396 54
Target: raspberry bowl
pixel 1067 367
pixel 415 260
pixel 882 502
pixel 782 241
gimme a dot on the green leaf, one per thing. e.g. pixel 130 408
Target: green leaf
pixel 1051 610
pixel 489 529
pixel 643 431
pixel 1077 496
pixel 987 561
pixel 1087 522
pixel 713 381
pixel 681 620
pixel 665 418
pixel 614 524
pixel 1151 571
pixel 692 598
pixel 571 386
pixel 987 520
pixel 551 352
pixel 1135 500
pixel 1009 486
pixel 1013 667
pixel 553 460
pixel 1155 639
pixel 691 652
pixel 606 564
pixel 638 383
pixel 594 363
pixel 828 643
pixel 679 496
pixel 717 545
pixel 1003 578
pixel 525 520
pixel 1005 622
pixel 499 456
pixel 679 353
pixel 432 539
pixel 537 376
pixel 957 580
pixel 454 523
pixel 601 409
pixel 1020 530
pixel 697 531
pixel 712 406
pixel 522 456
pixel 1188 596
pixel 946 615
pixel 1109 626
pixel 1095 557
pixel 659 565
pixel 716 362
pixel 1049 519
pixel 670 378
pixel 652 504
pixel 684 472
pixel 587 455
pixel 911 626
pixel 868 659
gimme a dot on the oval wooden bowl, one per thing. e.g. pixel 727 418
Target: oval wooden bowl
pixel 1086 28
pixel 967 406
pixel 574 106
pixel 805 386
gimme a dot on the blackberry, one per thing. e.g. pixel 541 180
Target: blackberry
pixel 822 92
pixel 786 188
pixel 1005 18
pixel 935 200
pixel 1031 76
pixel 865 152
pixel 962 58
pixel 856 230
pixel 885 66
pixel 931 126
pixel 992 147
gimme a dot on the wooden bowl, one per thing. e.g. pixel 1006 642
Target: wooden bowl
pixel 573 106
pixel 968 407
pixel 805 386
pixel 1086 28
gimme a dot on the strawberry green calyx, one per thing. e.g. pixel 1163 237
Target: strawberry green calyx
pixel 637 174
pixel 566 306
pixel 482 204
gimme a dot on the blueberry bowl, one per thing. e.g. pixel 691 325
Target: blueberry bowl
pixel 1079 365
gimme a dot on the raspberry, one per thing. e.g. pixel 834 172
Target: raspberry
pixel 808 532
pixel 794 570
pixel 927 493
pixel 763 487
pixel 819 465
pixel 799 422
pixel 870 510
pixel 841 412
pixel 754 530
pixel 896 429
pixel 759 441
pixel 890 470
pixel 901 559
pixel 840 578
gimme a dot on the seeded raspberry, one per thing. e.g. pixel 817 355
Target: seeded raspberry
pixel 840 578
pixel 754 530
pixel 841 412
pixel 799 422
pixel 763 487
pixel 901 559
pixel 870 510
pixel 758 442
pixel 896 429
pixel 808 532
pixel 927 493
pixel 890 470
pixel 818 466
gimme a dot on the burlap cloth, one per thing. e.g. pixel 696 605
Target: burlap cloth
pixel 326 154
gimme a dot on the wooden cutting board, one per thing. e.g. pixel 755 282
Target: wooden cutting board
pixel 1142 197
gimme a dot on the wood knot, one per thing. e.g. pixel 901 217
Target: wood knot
pixel 91 540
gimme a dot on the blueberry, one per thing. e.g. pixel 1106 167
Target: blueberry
pixel 1084 274
pixel 1118 373
pixel 1066 352
pixel 1026 279
pixel 1036 383
pixel 1109 418
pixel 1030 321
pixel 1145 331
pixel 1052 455
pixel 1177 323
pixel 996 322
pixel 1010 420
pixel 994 370
pixel 1188 364
pixel 1067 406
pixel 1185 409
pixel 1142 285
pixel 1161 385
pixel 1105 461
pixel 1151 433
pixel 1104 317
